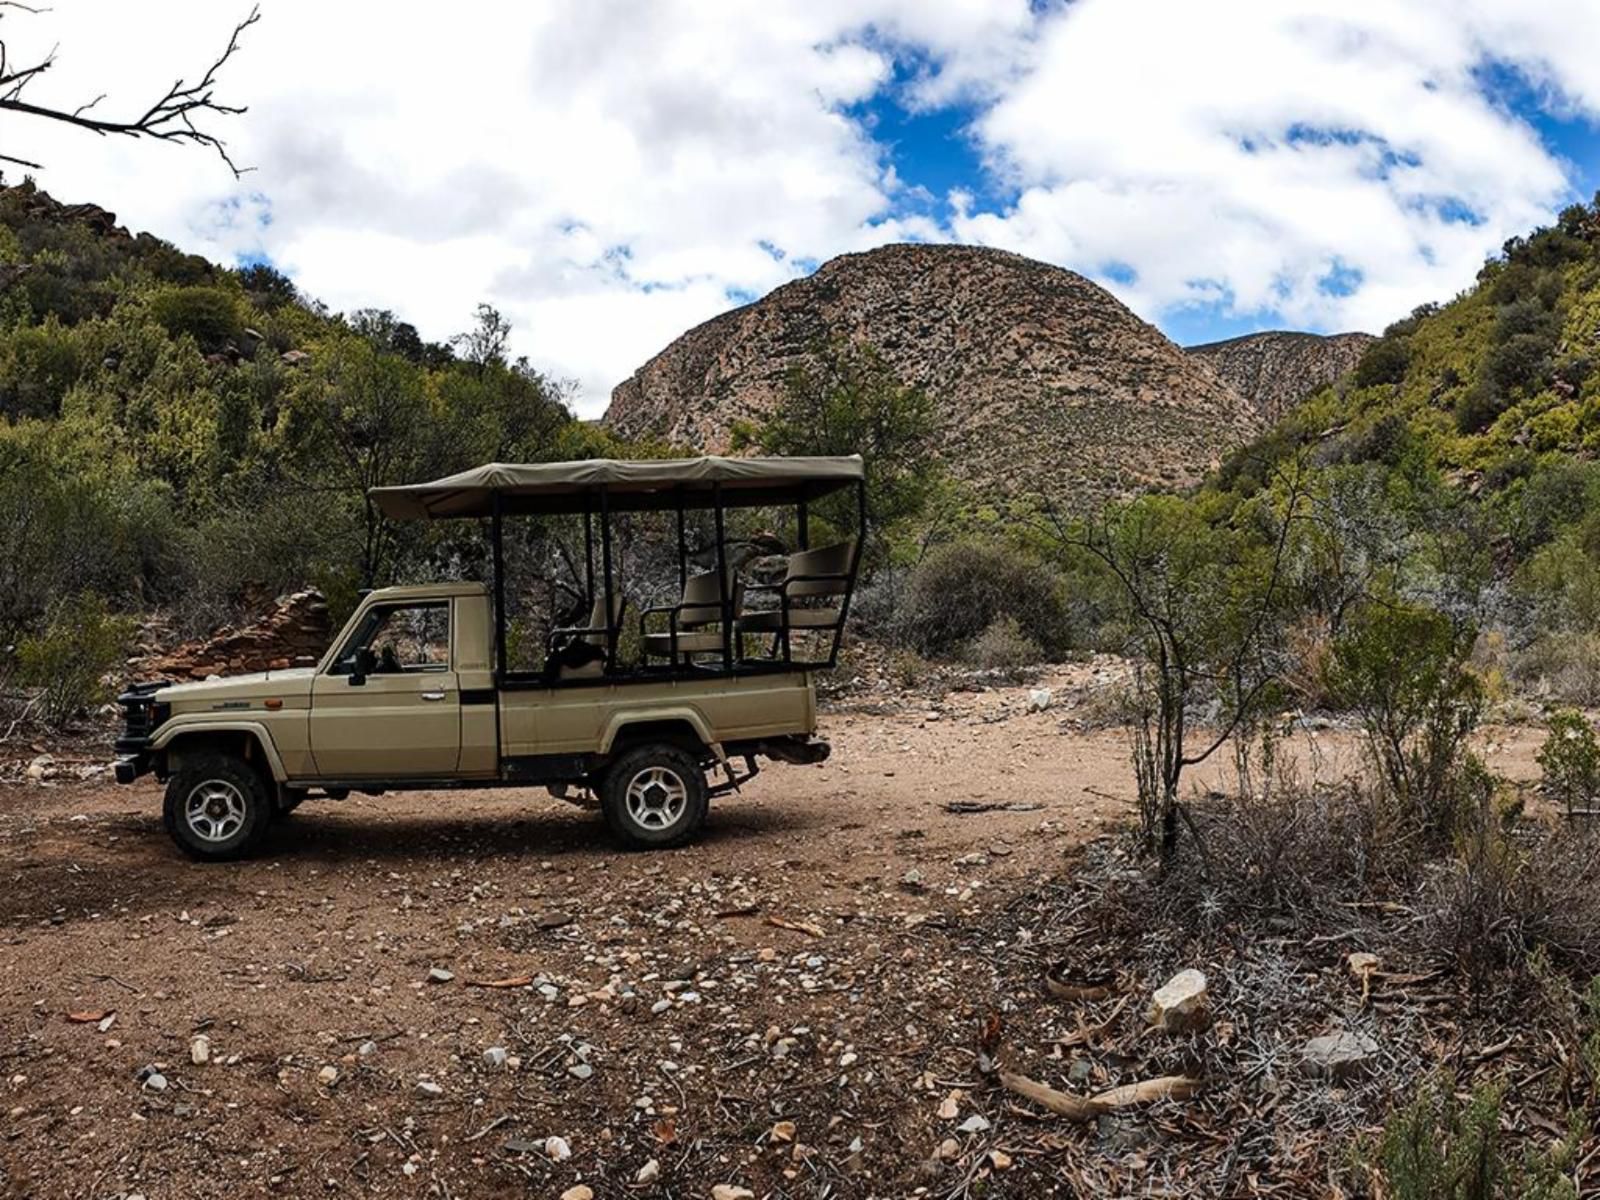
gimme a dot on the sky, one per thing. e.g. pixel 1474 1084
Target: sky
pixel 609 173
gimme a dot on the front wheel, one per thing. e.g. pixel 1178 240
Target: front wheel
pixel 654 797
pixel 217 808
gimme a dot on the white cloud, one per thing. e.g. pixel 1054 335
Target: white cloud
pixel 1257 147
pixel 609 172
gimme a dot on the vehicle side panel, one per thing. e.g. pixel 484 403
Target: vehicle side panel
pixel 580 720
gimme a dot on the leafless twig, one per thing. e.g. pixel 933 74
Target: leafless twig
pixel 171 118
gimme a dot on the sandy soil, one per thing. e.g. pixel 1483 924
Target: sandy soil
pixel 666 1017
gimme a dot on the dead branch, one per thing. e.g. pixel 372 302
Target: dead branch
pixel 1079 1108
pixel 172 118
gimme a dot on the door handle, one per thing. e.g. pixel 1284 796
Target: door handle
pixel 433 695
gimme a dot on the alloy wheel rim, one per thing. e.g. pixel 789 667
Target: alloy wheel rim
pixel 657 798
pixel 214 810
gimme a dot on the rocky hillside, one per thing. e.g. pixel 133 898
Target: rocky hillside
pixel 1277 370
pixel 1045 382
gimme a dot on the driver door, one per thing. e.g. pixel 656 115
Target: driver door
pixel 388 706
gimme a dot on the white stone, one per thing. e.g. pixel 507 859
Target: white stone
pixel 648 1173
pixel 200 1050
pixel 556 1149
pixel 1179 1005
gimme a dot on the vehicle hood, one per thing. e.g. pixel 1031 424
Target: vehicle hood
pixel 292 682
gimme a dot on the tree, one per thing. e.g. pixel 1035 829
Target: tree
pixel 171 118
pixel 1200 589
pixel 484 345
pixel 368 414
pixel 848 400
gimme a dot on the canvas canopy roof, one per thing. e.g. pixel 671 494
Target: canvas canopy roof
pixel 629 485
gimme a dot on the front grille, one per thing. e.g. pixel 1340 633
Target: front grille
pixel 141 714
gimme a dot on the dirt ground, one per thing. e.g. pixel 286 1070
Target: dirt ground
pixel 787 1005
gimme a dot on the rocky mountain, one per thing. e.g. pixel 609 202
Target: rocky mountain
pixel 1044 380
pixel 1278 369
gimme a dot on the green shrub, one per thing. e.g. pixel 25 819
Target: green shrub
pixel 38 366
pixel 1404 670
pixel 1439 1148
pixel 207 314
pixel 1385 361
pixel 962 589
pixel 70 659
pixel 1478 406
pixel 1570 760
pixel 1004 647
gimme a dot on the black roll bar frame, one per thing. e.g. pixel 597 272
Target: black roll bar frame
pixel 733 663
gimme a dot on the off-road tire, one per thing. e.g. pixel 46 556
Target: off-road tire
pixel 217 807
pixel 654 796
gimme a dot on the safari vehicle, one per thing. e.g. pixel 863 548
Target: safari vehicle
pixel 416 692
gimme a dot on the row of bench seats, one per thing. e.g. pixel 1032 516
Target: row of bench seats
pixel 808 598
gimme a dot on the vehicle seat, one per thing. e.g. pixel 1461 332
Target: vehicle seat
pixel 697 613
pixel 814 583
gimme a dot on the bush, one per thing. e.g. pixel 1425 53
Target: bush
pixel 1483 906
pixel 38 366
pixel 1564 667
pixel 207 314
pixel 1403 669
pixel 1004 647
pixel 1385 361
pixel 1437 1148
pixel 963 589
pixel 1478 406
pixel 70 659
pixel 1570 760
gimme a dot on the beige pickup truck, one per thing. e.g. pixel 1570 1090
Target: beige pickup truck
pixel 416 691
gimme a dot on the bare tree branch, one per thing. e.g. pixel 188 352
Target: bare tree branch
pixel 169 119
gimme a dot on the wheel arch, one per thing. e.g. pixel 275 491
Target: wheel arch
pixel 245 740
pixel 683 727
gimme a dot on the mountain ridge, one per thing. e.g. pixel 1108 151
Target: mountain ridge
pixel 1275 369
pixel 1043 380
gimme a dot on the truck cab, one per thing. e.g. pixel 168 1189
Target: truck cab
pixel 416 691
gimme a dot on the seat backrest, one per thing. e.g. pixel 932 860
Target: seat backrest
pixel 702 600
pixel 597 616
pixel 825 560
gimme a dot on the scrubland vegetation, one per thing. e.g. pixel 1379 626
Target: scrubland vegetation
pixel 1406 550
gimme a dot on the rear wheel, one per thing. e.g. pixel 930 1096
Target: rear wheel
pixel 654 796
pixel 217 807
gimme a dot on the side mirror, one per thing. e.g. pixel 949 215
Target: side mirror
pixel 366 663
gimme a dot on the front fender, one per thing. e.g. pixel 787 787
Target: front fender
pixel 183 726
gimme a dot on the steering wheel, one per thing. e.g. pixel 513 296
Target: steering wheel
pixel 388 660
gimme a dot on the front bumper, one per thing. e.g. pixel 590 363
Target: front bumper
pixel 131 766
pixel 142 715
